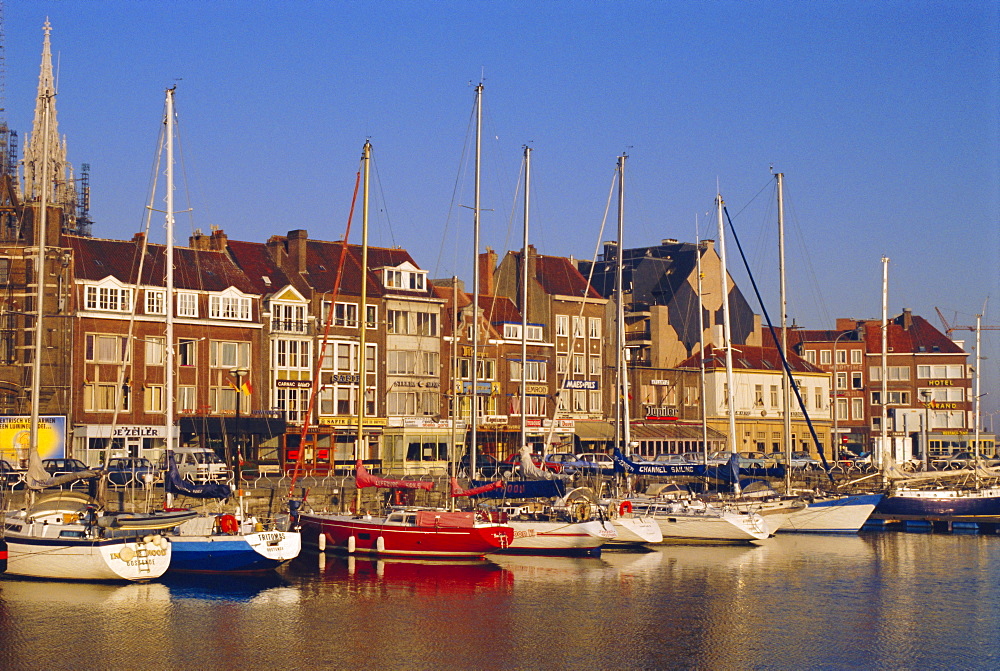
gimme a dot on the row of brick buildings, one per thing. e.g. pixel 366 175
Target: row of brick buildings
pixel 268 338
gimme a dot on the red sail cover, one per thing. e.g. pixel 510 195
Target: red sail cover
pixel 458 491
pixel 365 479
pixel 440 518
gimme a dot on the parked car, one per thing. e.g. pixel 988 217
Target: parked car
pixel 754 460
pixel 62 466
pixel 954 461
pixel 130 471
pixel 561 462
pixel 197 464
pixel 9 475
pixel 719 458
pixel 486 466
pixel 799 460
pixel 594 461
pixel 675 459
pixel 512 461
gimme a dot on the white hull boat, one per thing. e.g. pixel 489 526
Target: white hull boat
pixel 830 514
pixel 698 522
pixel 559 537
pixel 58 538
pixel 633 528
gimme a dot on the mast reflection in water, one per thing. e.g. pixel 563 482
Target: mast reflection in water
pixel 875 600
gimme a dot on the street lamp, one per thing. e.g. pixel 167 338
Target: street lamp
pixel 926 395
pixel 239 374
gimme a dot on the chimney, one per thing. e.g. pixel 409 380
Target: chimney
pixel 668 241
pixel 532 262
pixel 907 319
pixel 297 241
pixel 219 240
pixel 276 247
pixel 487 263
pixel 198 240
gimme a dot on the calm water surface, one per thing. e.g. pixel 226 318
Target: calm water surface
pixel 880 600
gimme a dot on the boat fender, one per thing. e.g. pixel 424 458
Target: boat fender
pixel 624 507
pixel 352 544
pixel 583 511
pixel 228 524
pixel 321 542
pixel 380 544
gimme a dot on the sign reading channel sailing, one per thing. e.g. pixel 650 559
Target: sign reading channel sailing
pixel 15 437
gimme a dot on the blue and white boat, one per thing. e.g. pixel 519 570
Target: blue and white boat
pixel 223 544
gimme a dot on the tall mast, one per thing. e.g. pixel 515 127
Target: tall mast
pixel 701 354
pixel 169 262
pixel 524 300
pixel 473 410
pixel 623 408
pixel 786 387
pixel 366 156
pixel 979 321
pixel 886 451
pixel 726 334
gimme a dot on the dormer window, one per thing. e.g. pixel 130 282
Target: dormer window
pixel 407 277
pixel 230 304
pixel 109 296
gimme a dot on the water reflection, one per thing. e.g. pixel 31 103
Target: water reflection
pixel 870 601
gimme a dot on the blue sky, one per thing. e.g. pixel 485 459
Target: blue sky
pixel 884 117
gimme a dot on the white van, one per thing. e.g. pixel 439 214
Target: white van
pixel 197 464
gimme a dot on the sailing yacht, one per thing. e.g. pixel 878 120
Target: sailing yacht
pixel 232 542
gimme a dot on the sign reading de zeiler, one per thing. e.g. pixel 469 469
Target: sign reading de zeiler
pixel 580 384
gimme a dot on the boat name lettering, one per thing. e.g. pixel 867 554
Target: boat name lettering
pixel 525 533
pixel 272 537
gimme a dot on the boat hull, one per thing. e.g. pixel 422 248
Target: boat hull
pixel 937 504
pixel 241 553
pixel 113 559
pixel 636 530
pixel 374 535
pixel 834 515
pixel 545 537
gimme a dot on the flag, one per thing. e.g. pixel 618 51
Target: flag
pixel 232 384
pixel 247 389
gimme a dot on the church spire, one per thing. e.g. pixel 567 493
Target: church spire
pixel 55 175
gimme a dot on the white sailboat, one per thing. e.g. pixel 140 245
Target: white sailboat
pixel 210 543
pixel 59 535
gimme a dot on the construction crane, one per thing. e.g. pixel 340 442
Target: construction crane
pixel 948 328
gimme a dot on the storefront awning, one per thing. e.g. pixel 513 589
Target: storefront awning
pixel 591 431
pixel 216 426
pixel 673 431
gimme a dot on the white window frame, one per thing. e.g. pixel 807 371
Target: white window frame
pixel 187 304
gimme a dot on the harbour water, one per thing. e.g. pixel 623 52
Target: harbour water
pixel 878 600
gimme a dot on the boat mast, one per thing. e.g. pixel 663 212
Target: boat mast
pixel 169 267
pixel 366 156
pixel 786 387
pixel 622 405
pixel 979 320
pixel 701 342
pixel 524 301
pixel 726 331
pixel 474 396
pixel 885 452
pixel 35 470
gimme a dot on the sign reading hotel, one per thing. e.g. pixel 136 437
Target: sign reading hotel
pixel 15 437
pixel 580 384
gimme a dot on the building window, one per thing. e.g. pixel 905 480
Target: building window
pixel 758 395
pixel 579 365
pixel 288 318
pixel 345 314
pixel 578 327
pixel 595 366
pixel 291 354
pixel 819 398
pixel 186 350
pixel 856 357
pixel 824 357
pixel 534 333
pixel 857 408
pixel 155 351
pixel 810 356
pixel 774 396
pixel 841 356
pixel 106 349
pixel 895 373
pixel 579 400
pixel 595 401
pixel 99 397
pixel 371 316
pixel 562 364
pixel 154 398
pixel 894 398
pixel 595 327
pixel 939 372
pixel 842 408
pixel 108 298
pixel 841 380
pixel 562 325
pixel 856 381
pixel 186 399
pixel 187 304
pixel 156 302
pixel 512 331
pixel 229 307
pixel 227 355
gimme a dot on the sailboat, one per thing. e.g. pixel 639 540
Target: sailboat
pixel 63 535
pixel 686 519
pixel 209 543
pixel 810 512
pixel 408 531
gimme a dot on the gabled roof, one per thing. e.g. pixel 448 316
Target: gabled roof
pixel 746 357
pixel 918 337
pixel 499 309
pixel 194 269
pixel 559 277
pixel 255 260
